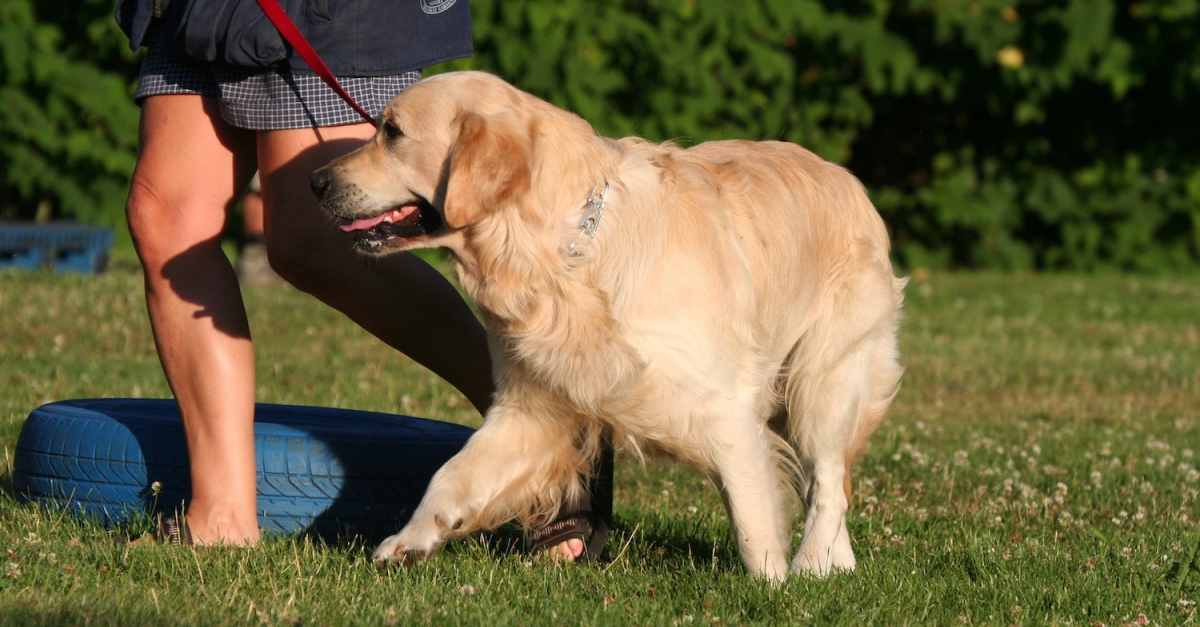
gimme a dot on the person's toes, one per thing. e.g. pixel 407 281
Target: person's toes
pixel 569 550
pixel 576 546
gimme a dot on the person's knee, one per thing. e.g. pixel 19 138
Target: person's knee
pixel 296 257
pixel 284 261
pixel 145 212
pixel 163 229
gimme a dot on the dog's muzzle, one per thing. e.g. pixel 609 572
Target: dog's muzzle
pixel 403 221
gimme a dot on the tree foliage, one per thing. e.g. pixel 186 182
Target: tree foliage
pixel 68 128
pixel 991 133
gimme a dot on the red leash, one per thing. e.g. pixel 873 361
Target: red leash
pixel 288 29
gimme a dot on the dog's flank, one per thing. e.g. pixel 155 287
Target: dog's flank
pixel 735 309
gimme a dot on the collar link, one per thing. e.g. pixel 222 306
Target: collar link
pixel 593 211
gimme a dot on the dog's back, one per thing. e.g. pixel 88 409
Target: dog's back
pixel 800 230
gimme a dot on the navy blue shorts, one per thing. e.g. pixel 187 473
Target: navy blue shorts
pixel 258 98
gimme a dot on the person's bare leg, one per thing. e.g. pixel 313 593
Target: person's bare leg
pixel 400 299
pixel 252 214
pixel 253 268
pixel 191 166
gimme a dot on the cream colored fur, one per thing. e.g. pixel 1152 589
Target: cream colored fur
pixel 736 311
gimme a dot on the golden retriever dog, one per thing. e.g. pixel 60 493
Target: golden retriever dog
pixel 730 305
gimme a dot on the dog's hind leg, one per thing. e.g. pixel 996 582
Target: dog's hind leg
pixel 836 410
pixel 830 408
pixel 514 465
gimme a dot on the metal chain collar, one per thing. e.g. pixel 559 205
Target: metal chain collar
pixel 590 222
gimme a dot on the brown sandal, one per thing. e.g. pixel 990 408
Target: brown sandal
pixel 590 521
pixel 173 530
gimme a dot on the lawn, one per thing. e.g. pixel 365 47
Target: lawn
pixel 1039 467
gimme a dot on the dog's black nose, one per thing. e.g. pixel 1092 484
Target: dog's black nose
pixel 320 181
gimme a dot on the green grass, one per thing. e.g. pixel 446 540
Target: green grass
pixel 1038 468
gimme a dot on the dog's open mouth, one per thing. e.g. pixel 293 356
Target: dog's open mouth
pixel 409 220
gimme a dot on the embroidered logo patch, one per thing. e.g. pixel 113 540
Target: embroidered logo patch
pixel 433 7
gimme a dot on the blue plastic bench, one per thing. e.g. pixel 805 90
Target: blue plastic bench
pixel 60 246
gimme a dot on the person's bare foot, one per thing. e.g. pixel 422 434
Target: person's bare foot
pixel 211 527
pixel 568 551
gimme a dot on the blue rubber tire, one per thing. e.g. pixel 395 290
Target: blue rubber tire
pixel 328 472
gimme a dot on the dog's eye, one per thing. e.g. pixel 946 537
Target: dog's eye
pixel 392 131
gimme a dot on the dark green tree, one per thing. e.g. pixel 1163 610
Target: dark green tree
pixel 68 127
pixel 992 133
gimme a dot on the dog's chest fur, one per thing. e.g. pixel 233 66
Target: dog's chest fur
pixel 598 343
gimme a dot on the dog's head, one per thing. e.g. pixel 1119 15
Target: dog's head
pixel 450 150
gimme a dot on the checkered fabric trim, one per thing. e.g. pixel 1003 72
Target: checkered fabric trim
pixel 263 99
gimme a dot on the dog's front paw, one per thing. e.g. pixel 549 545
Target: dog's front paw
pixel 824 563
pixel 395 550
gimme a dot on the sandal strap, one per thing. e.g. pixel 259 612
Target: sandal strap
pixel 173 530
pixel 577 524
pixel 601 489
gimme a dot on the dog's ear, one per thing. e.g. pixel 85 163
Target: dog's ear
pixel 489 167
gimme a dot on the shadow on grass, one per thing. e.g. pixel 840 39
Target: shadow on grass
pixel 640 539
pixel 657 541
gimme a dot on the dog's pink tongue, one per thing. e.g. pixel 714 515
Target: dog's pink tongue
pixel 395 215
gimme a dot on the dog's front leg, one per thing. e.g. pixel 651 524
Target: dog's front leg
pixel 751 493
pixel 511 463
